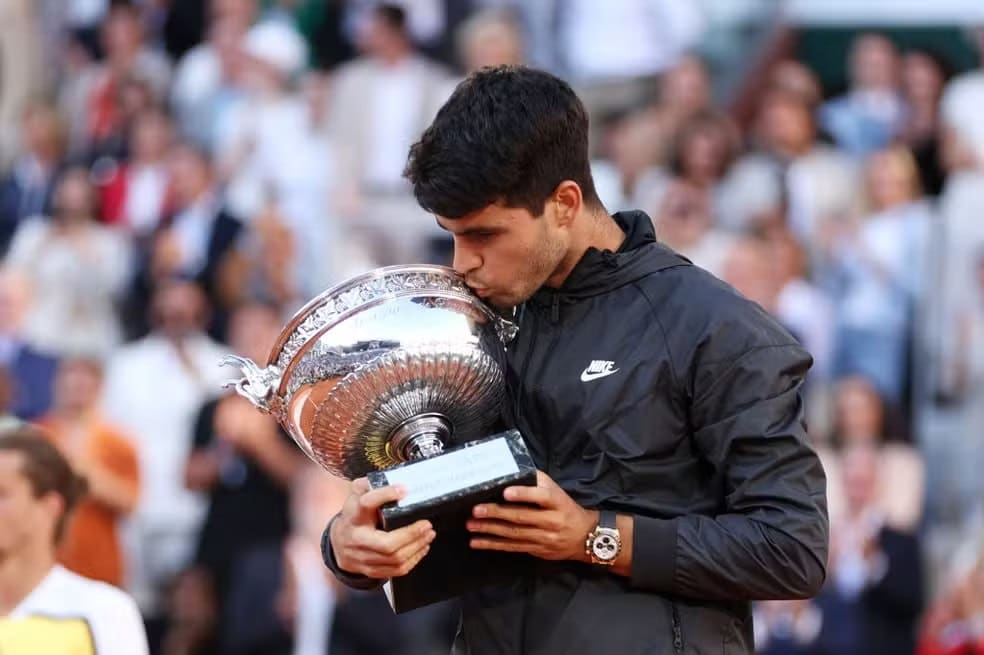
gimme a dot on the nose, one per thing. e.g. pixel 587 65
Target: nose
pixel 465 260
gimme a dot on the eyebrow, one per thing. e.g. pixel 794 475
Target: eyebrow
pixel 489 229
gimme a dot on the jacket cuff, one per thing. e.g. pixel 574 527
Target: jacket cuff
pixel 353 580
pixel 653 554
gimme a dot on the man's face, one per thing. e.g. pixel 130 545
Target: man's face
pixel 505 254
pixel 21 514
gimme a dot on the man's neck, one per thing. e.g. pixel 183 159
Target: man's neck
pixel 20 574
pixel 600 231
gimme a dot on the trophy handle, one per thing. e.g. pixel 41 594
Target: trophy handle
pixel 505 329
pixel 257 384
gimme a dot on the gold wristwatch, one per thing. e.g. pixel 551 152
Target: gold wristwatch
pixel 604 543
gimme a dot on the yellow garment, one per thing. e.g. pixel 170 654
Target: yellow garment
pixel 36 635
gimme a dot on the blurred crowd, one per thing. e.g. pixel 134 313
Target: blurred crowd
pixel 177 177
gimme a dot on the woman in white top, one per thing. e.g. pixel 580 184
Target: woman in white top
pixel 78 269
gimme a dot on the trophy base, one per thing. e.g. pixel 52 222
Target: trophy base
pixel 443 489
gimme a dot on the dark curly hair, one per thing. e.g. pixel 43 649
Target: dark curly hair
pixel 507 134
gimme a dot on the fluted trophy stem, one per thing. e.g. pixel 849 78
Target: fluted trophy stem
pixel 421 436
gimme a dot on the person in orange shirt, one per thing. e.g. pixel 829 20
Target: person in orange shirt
pixel 106 458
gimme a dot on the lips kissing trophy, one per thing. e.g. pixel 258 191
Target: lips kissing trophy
pixel 398 375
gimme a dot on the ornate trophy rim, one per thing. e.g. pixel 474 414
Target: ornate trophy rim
pixel 307 324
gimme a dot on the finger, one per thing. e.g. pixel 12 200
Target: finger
pixel 360 486
pixel 511 513
pixel 389 543
pixel 374 499
pixel 541 496
pixel 384 572
pixel 506 530
pixel 404 554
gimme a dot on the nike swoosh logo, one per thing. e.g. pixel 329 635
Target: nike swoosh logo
pixel 588 377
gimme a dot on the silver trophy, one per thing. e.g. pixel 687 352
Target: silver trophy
pixel 398 375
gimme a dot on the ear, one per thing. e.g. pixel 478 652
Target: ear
pixel 568 201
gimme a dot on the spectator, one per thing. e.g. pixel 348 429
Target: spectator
pixel 136 195
pixel 380 104
pixel 154 388
pixel 92 98
pixel 44 608
pixel 78 269
pixel 923 77
pixel 789 168
pixel 26 187
pixel 875 591
pixel 861 418
pixel 684 222
pixel 108 461
pixel 31 372
pixel 491 37
pixel 244 462
pixel 194 242
pixel 871 113
pixel 879 275
pixel 954 625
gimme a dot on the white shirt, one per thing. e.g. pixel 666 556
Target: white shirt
pixel 397 99
pixel 70 615
pixel 156 398
pixel 621 39
pixel 145 196
pixel 76 283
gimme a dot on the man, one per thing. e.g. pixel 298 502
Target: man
pixel 662 408
pixel 43 607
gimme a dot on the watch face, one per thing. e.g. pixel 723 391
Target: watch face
pixel 605 546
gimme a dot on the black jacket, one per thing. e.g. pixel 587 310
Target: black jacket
pixel 646 386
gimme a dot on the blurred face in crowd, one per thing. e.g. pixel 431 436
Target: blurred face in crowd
pixel 150 136
pixel 922 78
pixel 685 89
pixel 74 198
pixel 893 179
pixel 179 309
pixel 378 38
pixel 748 268
pixel 43 132
pixel 860 470
pixel 859 411
pixel 505 254
pixel 241 12
pixel 684 216
pixel 793 77
pixel 704 151
pixel 28 521
pixel 788 256
pixel 494 42
pixel 786 124
pixel 77 385
pixel 874 63
pixel 191 174
pixel 122 33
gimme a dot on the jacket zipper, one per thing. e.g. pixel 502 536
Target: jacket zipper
pixel 677 631
pixel 527 315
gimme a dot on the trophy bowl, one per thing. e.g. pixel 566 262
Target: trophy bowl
pixel 398 375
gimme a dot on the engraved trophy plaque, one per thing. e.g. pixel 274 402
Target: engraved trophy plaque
pixel 398 375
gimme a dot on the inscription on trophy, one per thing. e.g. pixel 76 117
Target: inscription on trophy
pixel 459 469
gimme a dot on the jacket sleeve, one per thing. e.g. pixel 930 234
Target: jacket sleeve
pixel 353 580
pixel 769 537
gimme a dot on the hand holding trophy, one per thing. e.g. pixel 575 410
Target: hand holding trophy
pixel 397 375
